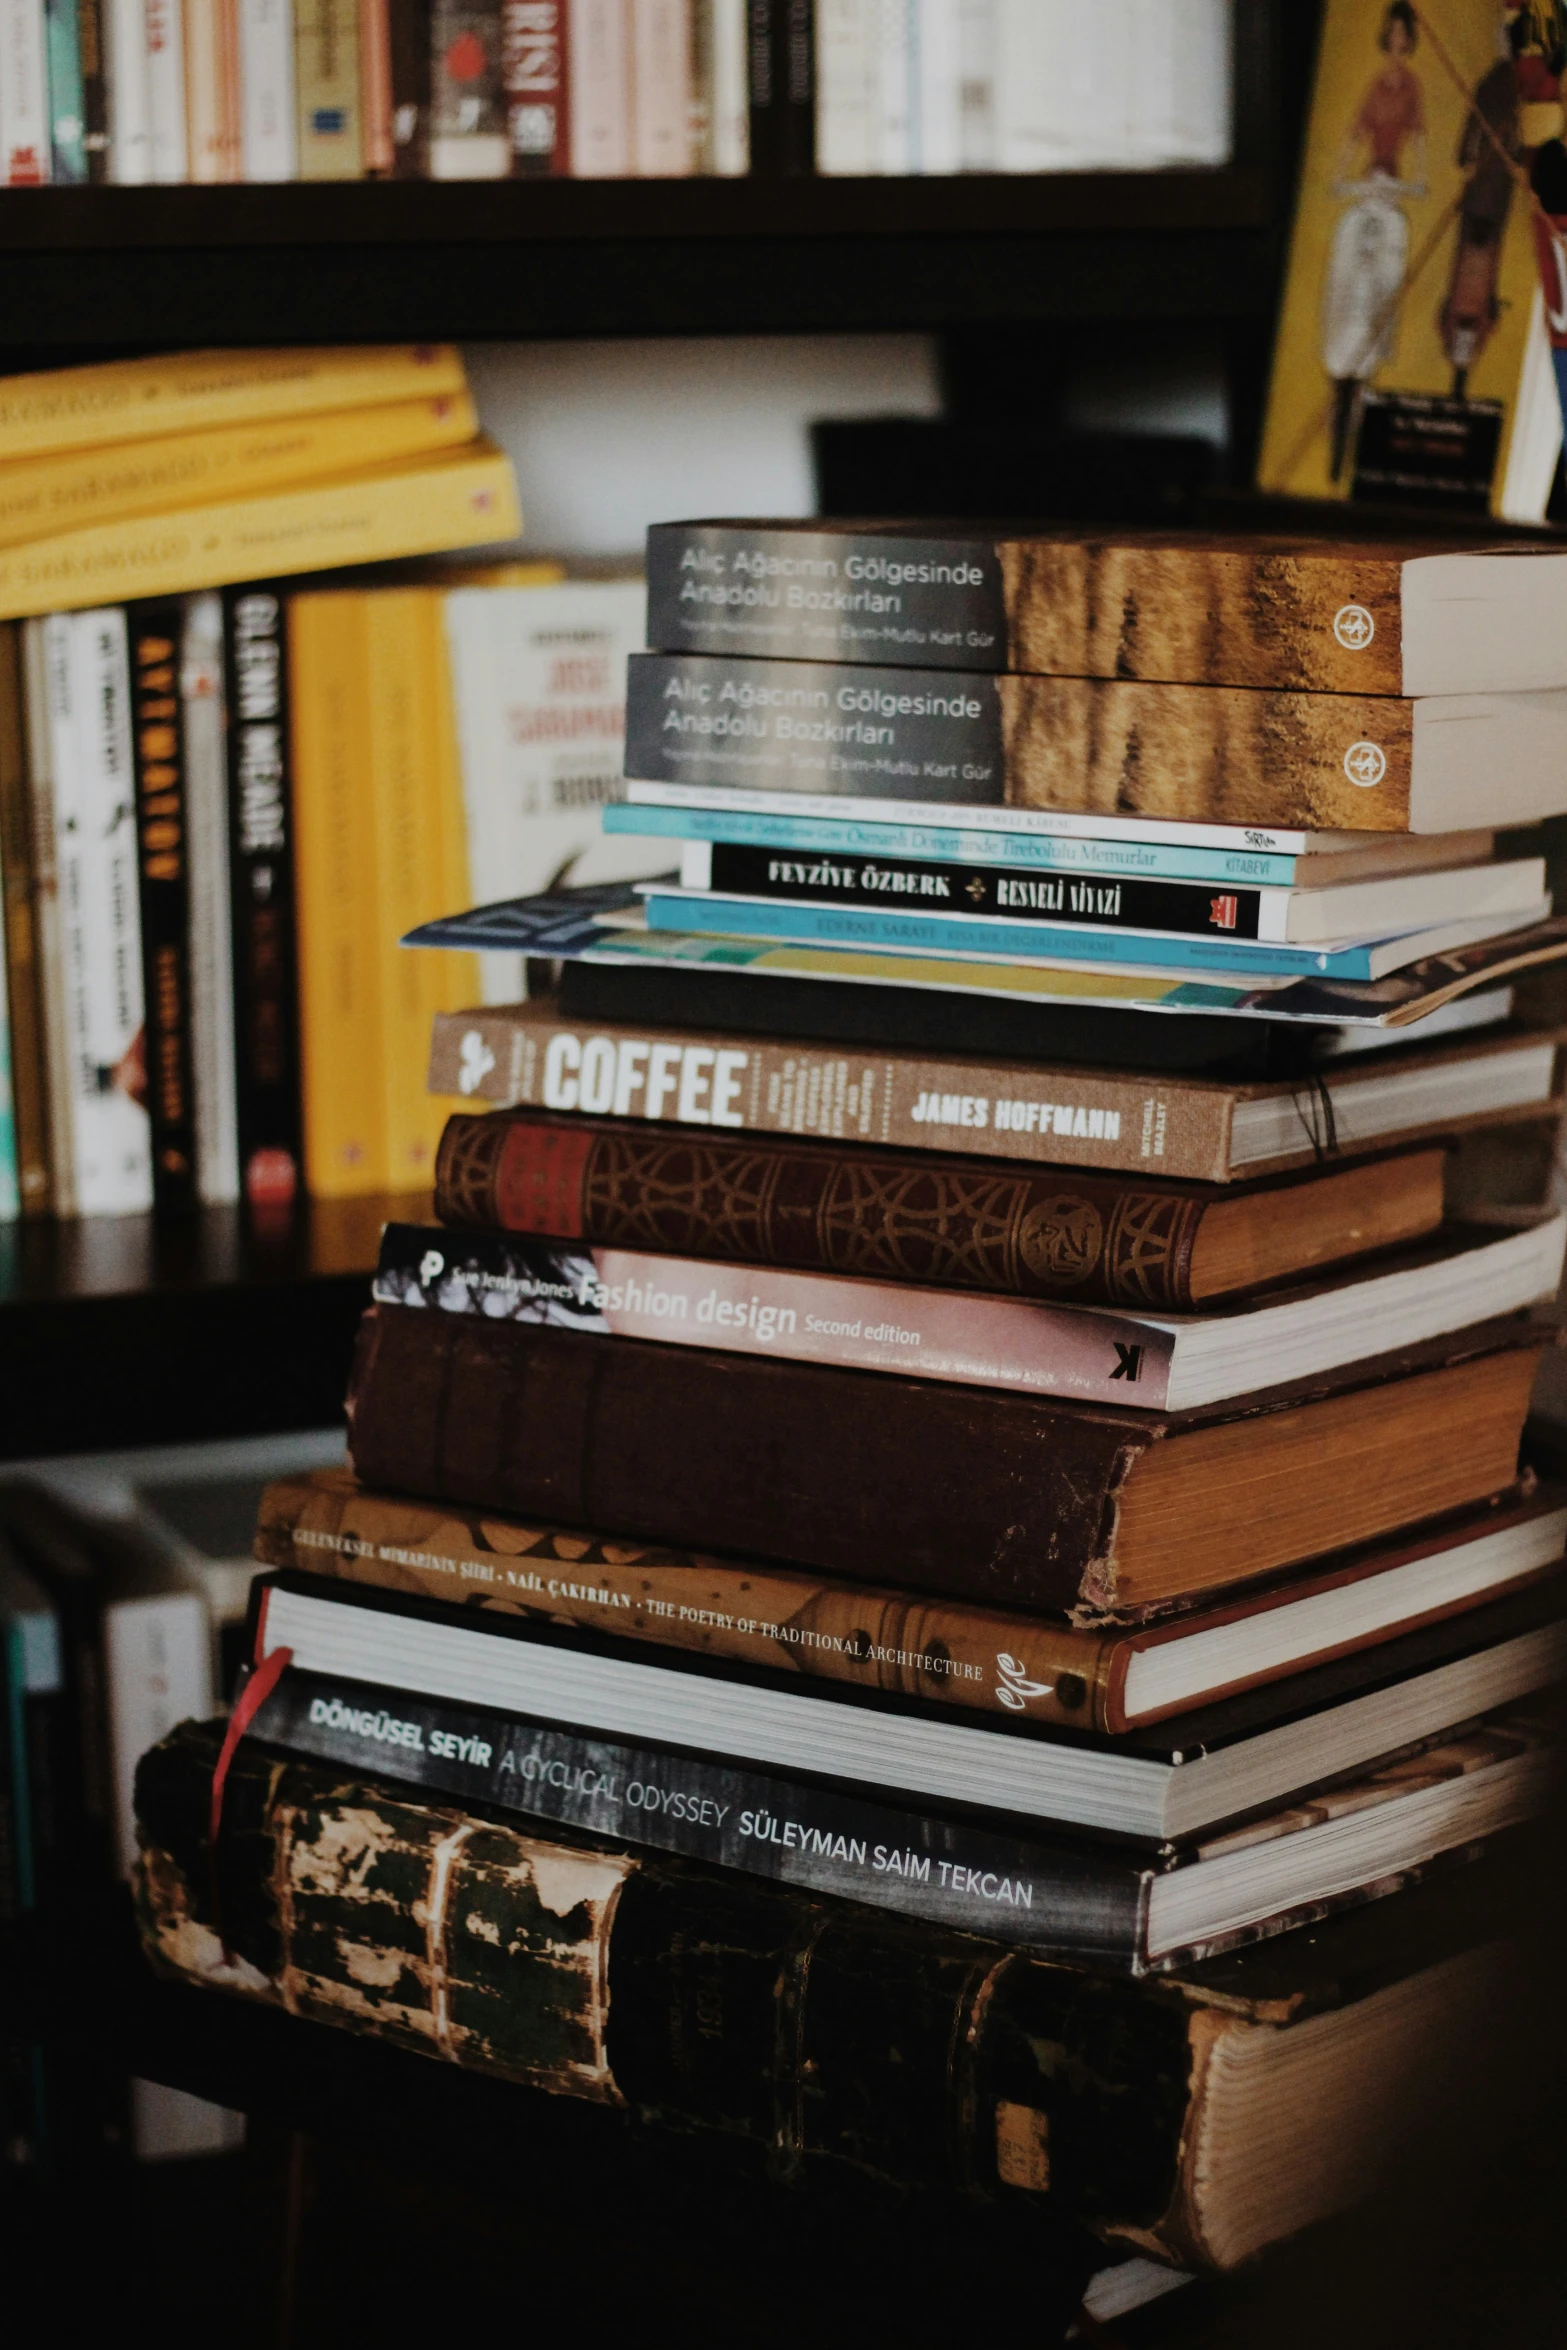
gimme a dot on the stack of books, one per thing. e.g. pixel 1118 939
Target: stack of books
pixel 906 1517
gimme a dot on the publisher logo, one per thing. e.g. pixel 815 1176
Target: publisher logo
pixel 1354 627
pixel 1060 1239
pixel 1365 764
pixel 1224 912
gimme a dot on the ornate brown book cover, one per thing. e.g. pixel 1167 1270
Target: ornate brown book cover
pixel 1093 1239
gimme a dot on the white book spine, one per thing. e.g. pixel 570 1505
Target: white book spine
pixel 24 95
pixel 60 806
pixel 897 96
pixel 731 100
pixel 848 88
pixel 600 90
pixel 211 913
pixel 168 162
pixel 660 89
pixel 1034 129
pixel 157 1662
pixel 939 85
pixel 130 128
pixel 977 83
pixel 102 921
pixel 269 140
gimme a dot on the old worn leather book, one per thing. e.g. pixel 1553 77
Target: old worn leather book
pixel 996 1662
pixel 839 2042
pixel 971 1493
pixel 847 1208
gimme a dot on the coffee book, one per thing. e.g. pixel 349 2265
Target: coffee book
pixel 1022 1344
pixel 949 1655
pixel 1198 753
pixel 965 1492
pixel 498 1714
pixel 534 1056
pixel 1299 615
pixel 849 2043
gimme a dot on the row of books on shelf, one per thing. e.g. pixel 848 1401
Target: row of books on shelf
pixel 989 1583
pixel 210 91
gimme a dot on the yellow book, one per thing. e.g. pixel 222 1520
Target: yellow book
pixel 80 488
pixel 456 498
pixel 1412 361
pixel 416 792
pixel 340 1011
pixel 189 391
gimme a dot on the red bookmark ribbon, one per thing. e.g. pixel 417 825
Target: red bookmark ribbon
pixel 263 1680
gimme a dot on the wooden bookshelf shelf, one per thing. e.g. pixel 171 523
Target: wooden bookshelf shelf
pixel 115 1331
pixel 91 269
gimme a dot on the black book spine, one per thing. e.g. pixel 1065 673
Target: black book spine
pixel 261 878
pixel 1054 1895
pixel 929 886
pixel 411 37
pixel 163 880
pixel 533 75
pixel 762 84
pixel 95 89
pixel 814 726
pixel 794 86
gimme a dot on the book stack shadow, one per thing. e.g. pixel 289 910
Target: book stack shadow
pixel 936 1571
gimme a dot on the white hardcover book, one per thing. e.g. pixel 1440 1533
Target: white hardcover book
pixel 938 85
pixel 538 679
pixel 101 925
pixel 730 96
pixel 977 85
pixel 600 90
pixel 41 658
pixel 25 152
pixel 848 88
pixel 211 914
pixel 896 96
pixel 1036 41
pixel 269 146
pixel 167 148
pixel 130 126
pixel 660 89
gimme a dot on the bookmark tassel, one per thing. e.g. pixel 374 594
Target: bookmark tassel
pixel 263 1679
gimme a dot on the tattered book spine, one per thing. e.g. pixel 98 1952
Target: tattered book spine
pixel 818 2035
pixel 981 1660
pixel 1089 1238
pixel 523 1057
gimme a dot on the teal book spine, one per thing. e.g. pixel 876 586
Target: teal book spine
pixel 1016 942
pixel 1021 851
pixel 67 102
pixel 10 1185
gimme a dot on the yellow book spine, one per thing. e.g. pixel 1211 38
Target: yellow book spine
pixel 341 1039
pixel 326 82
pixel 450 980
pixel 407 864
pixel 136 399
pixel 41 497
pixel 461 499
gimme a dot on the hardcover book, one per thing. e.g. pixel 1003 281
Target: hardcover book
pixel 1092 1676
pixel 534 1056
pixel 966 1492
pixel 848 1208
pixel 847 2042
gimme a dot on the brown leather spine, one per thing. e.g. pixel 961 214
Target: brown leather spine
pixel 1050 1232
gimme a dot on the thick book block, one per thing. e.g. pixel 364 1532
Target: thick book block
pixel 840 2043
pixel 956 1490
pixel 1188 608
